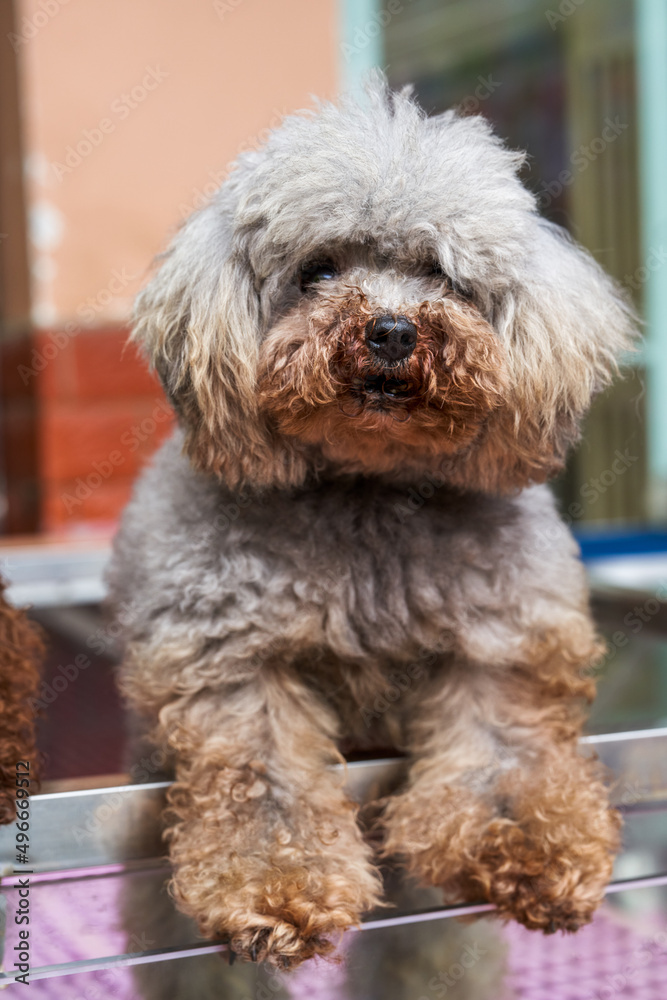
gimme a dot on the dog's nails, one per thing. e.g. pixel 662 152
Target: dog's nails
pixel 551 929
pixel 253 952
pixel 231 955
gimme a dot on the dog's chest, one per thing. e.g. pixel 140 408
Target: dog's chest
pixel 370 569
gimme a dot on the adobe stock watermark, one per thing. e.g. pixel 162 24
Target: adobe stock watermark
pixel 87 311
pixel 31 26
pixel 227 514
pixel 224 7
pixel 580 160
pixel 655 260
pixel 633 791
pixel 365 34
pixel 617 983
pixel 267 990
pixel 590 492
pixel 121 108
pixel 274 647
pixel 103 640
pixel 634 620
pixel 565 9
pixel 440 985
pixel 417 495
pixel 110 980
pixel 145 770
pixel 400 681
pixel 104 468
pixel 61 680
pixel 201 196
pixel 504 757
pixel 486 86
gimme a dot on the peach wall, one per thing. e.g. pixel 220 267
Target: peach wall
pixel 169 91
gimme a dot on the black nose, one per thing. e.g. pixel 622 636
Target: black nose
pixel 391 338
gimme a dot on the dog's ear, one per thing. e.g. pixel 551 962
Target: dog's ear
pixel 564 324
pixel 198 321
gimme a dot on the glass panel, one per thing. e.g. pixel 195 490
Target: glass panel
pixel 483 960
pixel 110 911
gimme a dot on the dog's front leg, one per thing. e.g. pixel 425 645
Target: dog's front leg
pixel 500 804
pixel 264 843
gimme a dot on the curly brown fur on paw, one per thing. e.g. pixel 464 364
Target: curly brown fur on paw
pixel 21 649
pixel 540 848
pixel 279 913
pixel 280 884
pixel 281 945
pixel 542 885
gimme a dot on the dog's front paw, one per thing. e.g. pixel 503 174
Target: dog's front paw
pixel 542 883
pixel 540 846
pixel 283 943
pixel 277 912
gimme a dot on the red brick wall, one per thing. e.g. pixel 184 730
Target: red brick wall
pixel 84 415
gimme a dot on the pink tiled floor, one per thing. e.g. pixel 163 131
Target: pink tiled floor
pixel 607 959
pixel 610 959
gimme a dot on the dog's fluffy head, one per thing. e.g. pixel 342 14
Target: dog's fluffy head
pixel 374 292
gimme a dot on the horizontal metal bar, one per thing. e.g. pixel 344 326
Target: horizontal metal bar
pixel 76 793
pixel 88 873
pixel 635 734
pixel 440 913
pixel 120 824
pixel 115 961
pixel 648 882
pixel 143 866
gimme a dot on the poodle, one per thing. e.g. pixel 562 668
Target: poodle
pixel 377 352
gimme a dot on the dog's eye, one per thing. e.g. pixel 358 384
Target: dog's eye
pixel 452 286
pixel 463 292
pixel 436 270
pixel 313 274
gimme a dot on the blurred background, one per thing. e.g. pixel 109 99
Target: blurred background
pixel 120 117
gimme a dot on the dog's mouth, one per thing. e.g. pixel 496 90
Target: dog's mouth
pixel 384 386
